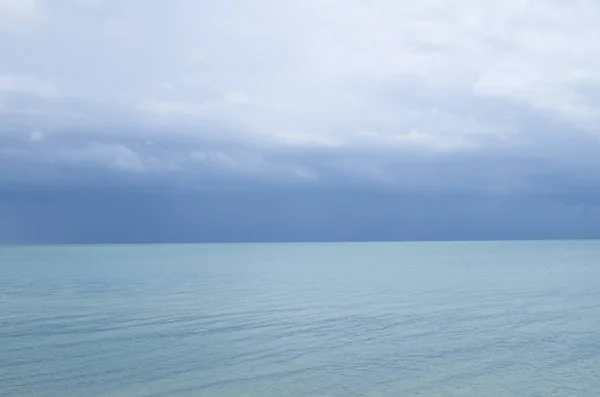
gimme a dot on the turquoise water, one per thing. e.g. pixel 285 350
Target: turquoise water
pixel 370 319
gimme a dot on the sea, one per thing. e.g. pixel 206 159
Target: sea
pixel 404 319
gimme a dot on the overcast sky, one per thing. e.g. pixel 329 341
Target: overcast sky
pixel 281 120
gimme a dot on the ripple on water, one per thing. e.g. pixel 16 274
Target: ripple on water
pixel 424 319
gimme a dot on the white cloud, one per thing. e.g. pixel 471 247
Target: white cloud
pixel 173 108
pixel 237 98
pixel 36 136
pixel 212 158
pixel 18 14
pixel 114 155
pixel 432 75
pixel 419 140
pixel 16 84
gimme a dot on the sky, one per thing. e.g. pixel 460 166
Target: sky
pixel 314 120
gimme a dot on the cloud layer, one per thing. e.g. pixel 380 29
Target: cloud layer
pixel 496 99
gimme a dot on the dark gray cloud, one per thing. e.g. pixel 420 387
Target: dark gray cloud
pixel 190 189
pixel 270 213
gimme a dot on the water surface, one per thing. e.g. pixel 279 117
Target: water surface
pixel 368 319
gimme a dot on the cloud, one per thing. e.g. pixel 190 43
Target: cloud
pixel 14 84
pixel 212 157
pixel 253 213
pixel 15 15
pixel 291 72
pixel 36 136
pixel 114 155
pixel 487 100
pixel 164 108
pixel 237 98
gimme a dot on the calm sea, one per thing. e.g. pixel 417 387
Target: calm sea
pixel 368 319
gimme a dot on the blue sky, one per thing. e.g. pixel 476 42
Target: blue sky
pixel 281 120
